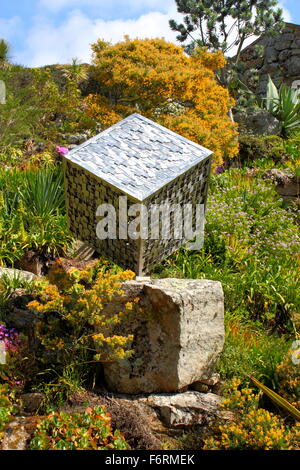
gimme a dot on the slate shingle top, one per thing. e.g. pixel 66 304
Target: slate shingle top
pixel 137 156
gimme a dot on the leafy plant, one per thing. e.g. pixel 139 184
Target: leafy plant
pixel 42 193
pixel 7 406
pixel 90 430
pixel 143 75
pixel 284 104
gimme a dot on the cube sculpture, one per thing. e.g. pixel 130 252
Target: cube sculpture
pixel 148 164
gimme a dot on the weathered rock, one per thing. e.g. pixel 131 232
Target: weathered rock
pixel 293 65
pixel 32 401
pixel 177 339
pixel 287 185
pixel 259 122
pixel 188 409
pixel 18 432
pixel 17 273
pixel 207 383
pixel 76 139
pixel 281 58
pixel 16 436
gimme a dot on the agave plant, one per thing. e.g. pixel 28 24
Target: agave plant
pixel 284 104
pixel 43 193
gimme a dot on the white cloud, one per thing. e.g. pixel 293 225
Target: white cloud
pixel 9 26
pixel 49 44
pixel 286 14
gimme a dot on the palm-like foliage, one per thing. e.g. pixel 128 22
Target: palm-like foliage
pixel 284 104
pixel 43 193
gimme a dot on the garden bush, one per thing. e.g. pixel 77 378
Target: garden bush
pixel 7 406
pixel 75 329
pixel 90 430
pixel 253 148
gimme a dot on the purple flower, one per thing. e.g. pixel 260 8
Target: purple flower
pixel 219 169
pixel 62 150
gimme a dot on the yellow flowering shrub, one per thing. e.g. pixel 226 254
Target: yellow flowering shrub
pixel 74 324
pixel 254 428
pixel 157 79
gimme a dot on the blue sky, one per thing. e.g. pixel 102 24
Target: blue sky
pixel 43 32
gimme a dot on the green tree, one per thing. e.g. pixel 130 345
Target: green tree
pixel 225 25
pixel 4 52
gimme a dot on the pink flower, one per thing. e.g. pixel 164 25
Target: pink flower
pixel 62 150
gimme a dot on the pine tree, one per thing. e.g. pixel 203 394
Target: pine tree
pixel 226 25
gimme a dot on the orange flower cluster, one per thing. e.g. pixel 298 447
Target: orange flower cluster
pixel 157 79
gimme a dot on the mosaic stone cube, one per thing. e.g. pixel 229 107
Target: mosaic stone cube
pixel 149 165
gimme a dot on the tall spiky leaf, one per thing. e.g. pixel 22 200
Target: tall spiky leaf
pixel 277 399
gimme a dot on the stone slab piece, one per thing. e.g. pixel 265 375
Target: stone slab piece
pixel 17 273
pixel 187 409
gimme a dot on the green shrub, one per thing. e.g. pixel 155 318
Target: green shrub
pixel 254 148
pixel 7 407
pixel 249 351
pixel 32 214
pixel 90 430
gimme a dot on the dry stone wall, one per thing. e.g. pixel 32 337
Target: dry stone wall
pixel 281 58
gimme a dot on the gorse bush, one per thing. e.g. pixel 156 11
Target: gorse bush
pixel 75 327
pixel 90 430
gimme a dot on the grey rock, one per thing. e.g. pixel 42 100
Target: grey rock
pixel 271 54
pixel 259 122
pixel 17 273
pixel 296 43
pixel 16 435
pixel 282 44
pixel 188 408
pixel 284 55
pixel 281 177
pixel 32 401
pixel 177 340
pixel 23 319
pixel 207 382
pixel 293 66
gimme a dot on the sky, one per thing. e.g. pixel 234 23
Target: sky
pixel 44 32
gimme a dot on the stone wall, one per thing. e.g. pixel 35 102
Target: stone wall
pixel 281 58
